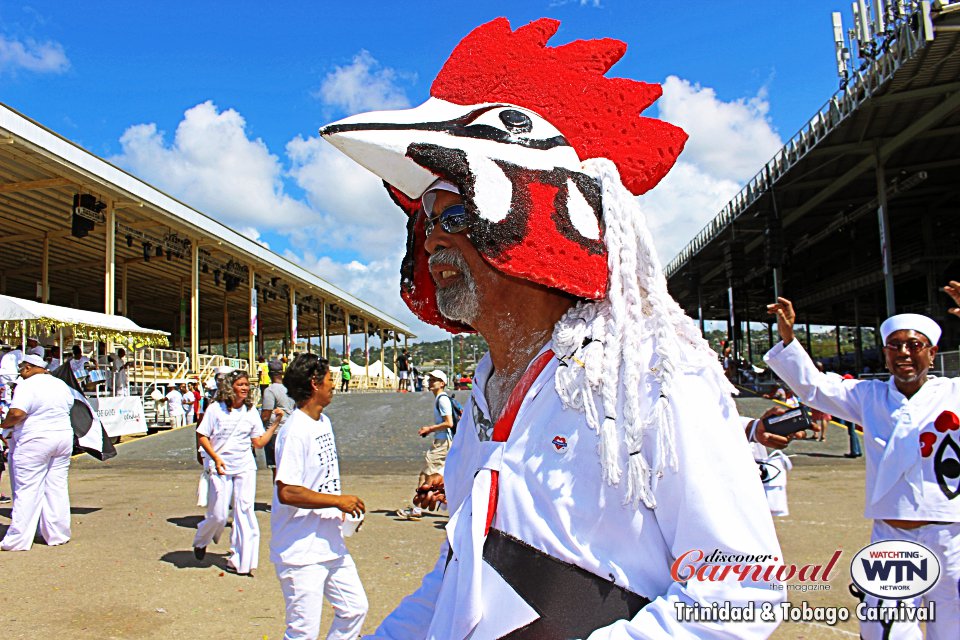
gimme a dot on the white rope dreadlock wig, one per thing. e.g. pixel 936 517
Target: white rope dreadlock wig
pixel 599 344
pixel 548 154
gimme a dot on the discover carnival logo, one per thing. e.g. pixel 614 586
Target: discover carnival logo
pixel 895 569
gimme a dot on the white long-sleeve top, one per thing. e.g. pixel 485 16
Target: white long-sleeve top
pixel 901 440
pixel 552 496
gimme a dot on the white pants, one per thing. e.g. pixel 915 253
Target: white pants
pixel 944 540
pixel 304 587
pixel 245 539
pixel 177 420
pixel 38 475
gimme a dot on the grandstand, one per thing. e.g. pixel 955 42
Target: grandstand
pixel 84 234
pixel 855 218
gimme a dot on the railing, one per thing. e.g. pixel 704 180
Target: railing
pixel 208 365
pixel 947 364
pixel 148 362
pixel 844 102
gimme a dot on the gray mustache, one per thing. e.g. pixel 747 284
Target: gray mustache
pixel 449 256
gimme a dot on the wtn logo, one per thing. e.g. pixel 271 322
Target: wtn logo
pixel 895 569
pixel 902 570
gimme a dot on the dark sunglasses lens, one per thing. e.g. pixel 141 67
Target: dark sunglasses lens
pixel 453 219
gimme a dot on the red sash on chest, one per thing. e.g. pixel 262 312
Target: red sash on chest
pixel 503 427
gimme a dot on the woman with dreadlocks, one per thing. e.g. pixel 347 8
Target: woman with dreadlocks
pixel 601 445
pixel 230 426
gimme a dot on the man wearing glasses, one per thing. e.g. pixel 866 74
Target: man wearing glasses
pixel 581 469
pixel 912 446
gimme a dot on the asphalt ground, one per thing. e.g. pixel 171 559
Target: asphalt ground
pixel 129 571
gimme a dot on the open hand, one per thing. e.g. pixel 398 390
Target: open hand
pixel 953 290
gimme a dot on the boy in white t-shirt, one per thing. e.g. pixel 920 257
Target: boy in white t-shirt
pixel 308 510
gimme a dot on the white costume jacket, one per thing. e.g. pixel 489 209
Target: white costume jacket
pixel 553 498
pixel 912 445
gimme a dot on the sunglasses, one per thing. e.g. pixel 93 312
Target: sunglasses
pixel 453 219
pixel 912 346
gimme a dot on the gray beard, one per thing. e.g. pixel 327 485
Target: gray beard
pixel 457 301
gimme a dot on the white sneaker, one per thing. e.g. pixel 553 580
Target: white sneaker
pixel 410 513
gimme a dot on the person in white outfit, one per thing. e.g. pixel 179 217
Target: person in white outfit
pixel 175 408
pixel 911 428
pixel 40 449
pixel 230 426
pixel 306 544
pixel 600 442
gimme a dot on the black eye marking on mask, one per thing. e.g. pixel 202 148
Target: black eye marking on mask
pixel 515 121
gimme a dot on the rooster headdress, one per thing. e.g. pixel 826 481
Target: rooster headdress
pixel 548 154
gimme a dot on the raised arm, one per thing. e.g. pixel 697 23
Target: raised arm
pixel 827 392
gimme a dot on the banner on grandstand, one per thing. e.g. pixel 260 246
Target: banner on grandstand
pixel 253 312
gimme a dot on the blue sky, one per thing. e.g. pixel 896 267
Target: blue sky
pixel 219 103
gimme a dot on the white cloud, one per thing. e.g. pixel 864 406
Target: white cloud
pixel 728 140
pixel 682 204
pixel 215 167
pixel 357 212
pixel 729 143
pixel 376 282
pixel 30 55
pixel 363 85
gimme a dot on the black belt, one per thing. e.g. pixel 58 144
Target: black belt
pixel 572 602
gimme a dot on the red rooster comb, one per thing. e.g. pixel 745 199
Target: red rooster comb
pixel 598 116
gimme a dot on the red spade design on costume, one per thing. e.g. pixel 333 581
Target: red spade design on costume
pixel 927 441
pixel 947 421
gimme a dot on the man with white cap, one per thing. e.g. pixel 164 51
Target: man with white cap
pixel 441 429
pixel 600 442
pixel 41 445
pixel 912 446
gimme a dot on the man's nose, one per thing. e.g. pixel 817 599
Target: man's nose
pixel 438 239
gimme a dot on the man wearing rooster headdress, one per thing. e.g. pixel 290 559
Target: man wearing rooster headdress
pixel 600 442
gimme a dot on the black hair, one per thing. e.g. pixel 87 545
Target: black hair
pixel 305 368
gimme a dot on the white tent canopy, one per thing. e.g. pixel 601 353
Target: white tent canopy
pixel 377 369
pixel 18 315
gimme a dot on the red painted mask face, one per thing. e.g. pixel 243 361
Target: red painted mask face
pixel 509 122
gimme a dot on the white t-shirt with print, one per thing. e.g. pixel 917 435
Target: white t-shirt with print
pixel 230 433
pixel 47 401
pixel 306 457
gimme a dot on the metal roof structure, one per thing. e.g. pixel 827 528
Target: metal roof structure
pixel 156 241
pixel 888 140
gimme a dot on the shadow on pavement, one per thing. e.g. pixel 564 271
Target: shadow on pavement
pixel 187 522
pixel 7 512
pixel 186 560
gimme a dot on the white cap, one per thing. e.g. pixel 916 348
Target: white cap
pixel 34 338
pixel 220 371
pixel 35 360
pixel 912 321
pixel 429 196
pixel 38 350
pixel 439 375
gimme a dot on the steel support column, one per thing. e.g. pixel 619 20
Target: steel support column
pixel 194 306
pixel 883 218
